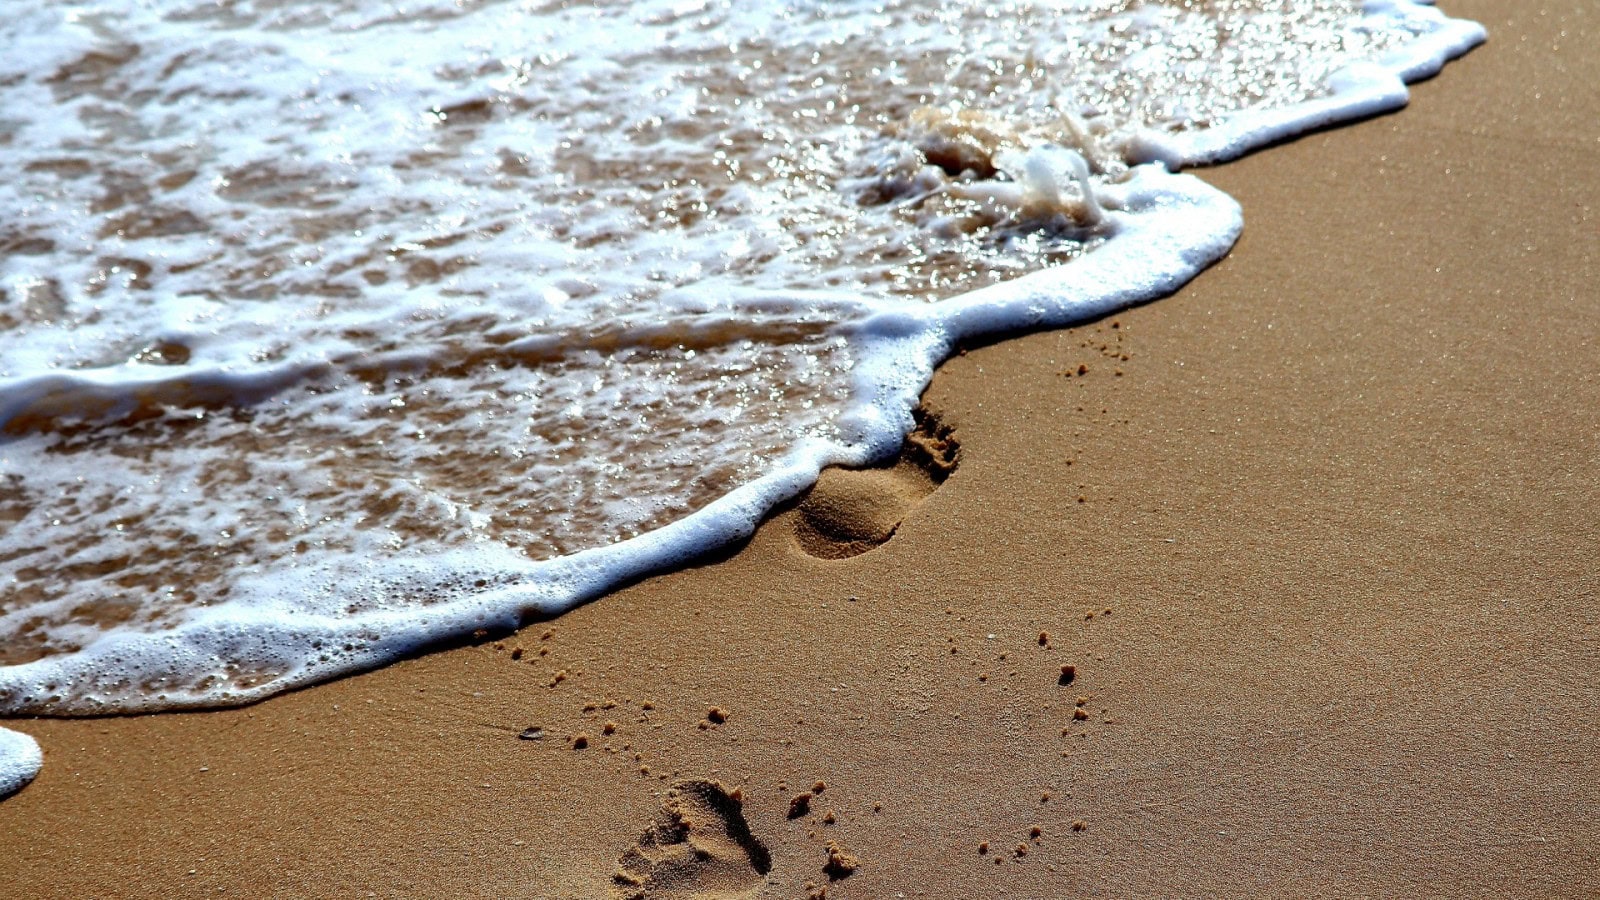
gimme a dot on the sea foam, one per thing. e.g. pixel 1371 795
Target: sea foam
pixel 334 330
pixel 20 761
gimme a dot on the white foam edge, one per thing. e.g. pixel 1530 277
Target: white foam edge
pixel 20 761
pixel 117 391
pixel 1357 91
pixel 1170 227
pixel 114 392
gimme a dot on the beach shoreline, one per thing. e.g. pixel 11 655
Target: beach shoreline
pixel 1315 535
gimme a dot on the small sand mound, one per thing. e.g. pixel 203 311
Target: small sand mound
pixel 699 847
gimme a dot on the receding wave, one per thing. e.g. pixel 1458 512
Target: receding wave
pixel 331 330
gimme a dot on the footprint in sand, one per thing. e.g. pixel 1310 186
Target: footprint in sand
pixel 851 511
pixel 700 847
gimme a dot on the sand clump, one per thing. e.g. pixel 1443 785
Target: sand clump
pixel 799 805
pixel 841 863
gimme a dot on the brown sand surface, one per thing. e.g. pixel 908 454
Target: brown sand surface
pixel 1323 556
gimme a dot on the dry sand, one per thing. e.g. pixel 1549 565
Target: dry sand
pixel 1322 556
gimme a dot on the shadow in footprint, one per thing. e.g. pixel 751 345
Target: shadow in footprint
pixel 851 511
pixel 700 847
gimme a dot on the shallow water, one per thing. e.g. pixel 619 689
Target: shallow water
pixel 327 330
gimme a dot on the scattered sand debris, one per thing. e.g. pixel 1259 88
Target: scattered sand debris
pixel 1069 672
pixel 580 741
pixel 532 733
pixel 799 805
pixel 841 862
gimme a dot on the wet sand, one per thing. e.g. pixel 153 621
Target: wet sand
pixel 1319 553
